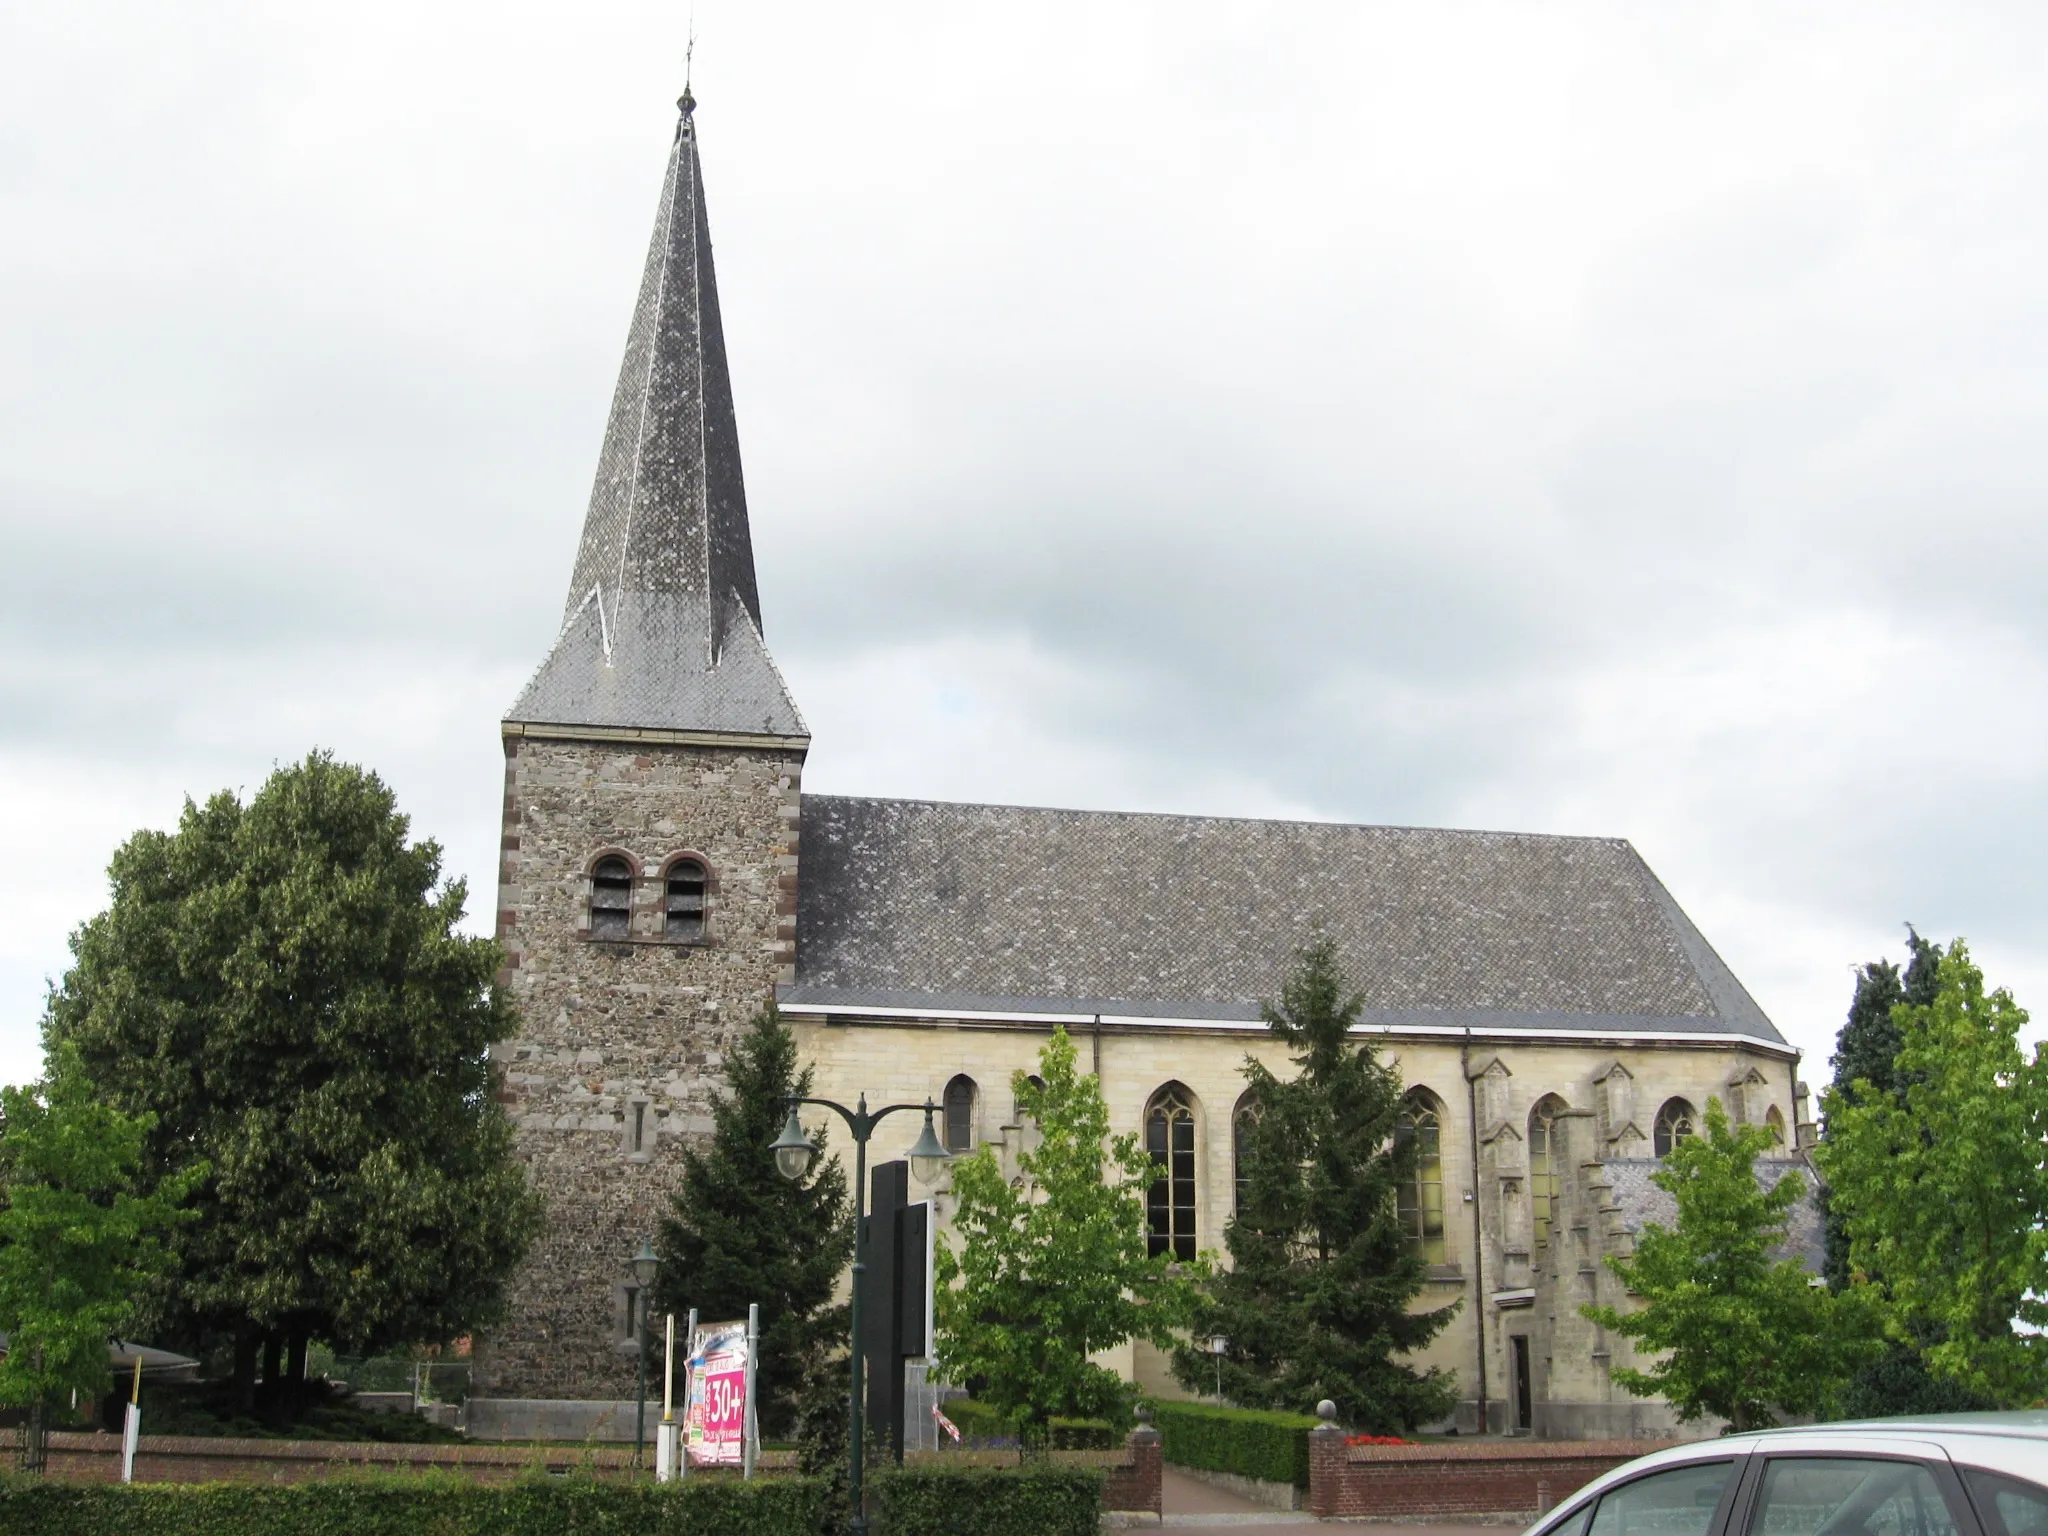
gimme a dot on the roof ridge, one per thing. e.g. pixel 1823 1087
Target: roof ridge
pixel 1263 821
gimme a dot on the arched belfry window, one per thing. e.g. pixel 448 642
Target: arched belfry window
pixel 1241 1121
pixel 1170 1204
pixel 1675 1123
pixel 1422 1192
pixel 1546 1164
pixel 959 1108
pixel 683 900
pixel 611 898
pixel 1774 1122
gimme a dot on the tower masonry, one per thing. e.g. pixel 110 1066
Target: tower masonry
pixel 647 889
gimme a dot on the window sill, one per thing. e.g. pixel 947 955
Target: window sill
pixel 1446 1274
pixel 650 941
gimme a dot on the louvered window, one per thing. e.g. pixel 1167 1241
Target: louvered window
pixel 611 899
pixel 684 900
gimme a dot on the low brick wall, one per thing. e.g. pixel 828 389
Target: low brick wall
pixel 1483 1477
pixel 193 1459
pixel 1137 1482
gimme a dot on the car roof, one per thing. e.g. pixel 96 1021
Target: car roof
pixel 2027 1424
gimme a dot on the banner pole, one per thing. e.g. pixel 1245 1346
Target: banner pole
pixel 689 1393
pixel 131 1428
pixel 751 1433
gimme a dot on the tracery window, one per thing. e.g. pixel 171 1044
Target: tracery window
pixel 1546 1161
pixel 1170 1204
pixel 611 898
pixel 1241 1121
pixel 1421 1199
pixel 1675 1122
pixel 959 1114
pixel 1774 1122
pixel 683 900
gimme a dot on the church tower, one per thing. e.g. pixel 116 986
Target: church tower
pixel 647 889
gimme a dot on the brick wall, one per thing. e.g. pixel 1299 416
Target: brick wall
pixel 1138 1481
pixel 1485 1477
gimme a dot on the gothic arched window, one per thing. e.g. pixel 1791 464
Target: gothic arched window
pixel 1241 1121
pixel 683 900
pixel 1170 1204
pixel 959 1106
pixel 1675 1122
pixel 1546 1161
pixel 1018 1115
pixel 1422 1192
pixel 1774 1122
pixel 611 898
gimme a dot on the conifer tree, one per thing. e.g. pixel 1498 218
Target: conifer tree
pixel 1316 1302
pixel 742 1234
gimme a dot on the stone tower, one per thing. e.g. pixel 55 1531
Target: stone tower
pixel 647 892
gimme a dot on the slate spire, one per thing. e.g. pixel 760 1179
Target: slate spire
pixel 662 628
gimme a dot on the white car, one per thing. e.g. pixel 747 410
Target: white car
pixel 1966 1474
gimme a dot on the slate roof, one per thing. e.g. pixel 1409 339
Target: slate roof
pixel 1004 909
pixel 662 627
pixel 1642 1201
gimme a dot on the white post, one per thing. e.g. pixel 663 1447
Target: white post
pixel 665 1436
pixel 750 1437
pixel 131 1428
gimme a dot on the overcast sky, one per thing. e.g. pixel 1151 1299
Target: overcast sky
pixel 1595 419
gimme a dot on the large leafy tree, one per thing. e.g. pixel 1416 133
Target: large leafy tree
pixel 1742 1335
pixel 1866 1050
pixel 79 1239
pixel 281 986
pixel 1942 1187
pixel 1053 1267
pixel 1317 1300
pixel 742 1234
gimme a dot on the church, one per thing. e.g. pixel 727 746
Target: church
pixel 1558 1019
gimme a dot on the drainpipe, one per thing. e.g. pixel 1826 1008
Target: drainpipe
pixel 1098 1047
pixel 1478 1227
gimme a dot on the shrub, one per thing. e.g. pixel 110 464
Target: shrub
pixel 979 1421
pixel 1266 1446
pixel 987 1501
pixel 391 1507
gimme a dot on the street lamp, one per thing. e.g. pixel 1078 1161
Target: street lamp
pixel 928 1158
pixel 645 1264
pixel 1219 1346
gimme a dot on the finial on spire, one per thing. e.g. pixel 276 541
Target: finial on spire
pixel 687 103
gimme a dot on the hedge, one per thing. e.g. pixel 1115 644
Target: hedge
pixel 1250 1442
pixel 988 1501
pixel 979 1421
pixel 417 1505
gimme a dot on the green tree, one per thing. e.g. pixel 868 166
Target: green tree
pixel 1053 1268
pixel 281 986
pixel 1747 1338
pixel 1867 1050
pixel 1942 1186
pixel 740 1233
pixel 1317 1300
pixel 78 1239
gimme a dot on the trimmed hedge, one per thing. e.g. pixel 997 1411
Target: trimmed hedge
pixel 416 1506
pixel 988 1501
pixel 1250 1442
pixel 979 1421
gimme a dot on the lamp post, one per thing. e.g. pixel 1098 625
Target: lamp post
pixel 1219 1346
pixel 645 1265
pixel 928 1158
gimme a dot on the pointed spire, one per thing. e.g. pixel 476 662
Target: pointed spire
pixel 664 586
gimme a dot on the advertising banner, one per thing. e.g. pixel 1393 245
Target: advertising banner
pixel 716 1421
